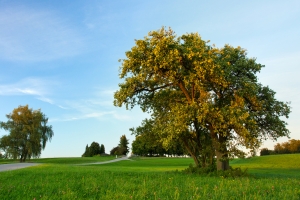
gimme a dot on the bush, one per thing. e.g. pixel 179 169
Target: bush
pixel 200 170
pixel 264 152
pixel 233 172
pixel 212 171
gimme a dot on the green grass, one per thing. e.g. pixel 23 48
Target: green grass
pixel 283 165
pixel 149 178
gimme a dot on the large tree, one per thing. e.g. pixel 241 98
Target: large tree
pixel 28 133
pixel 207 97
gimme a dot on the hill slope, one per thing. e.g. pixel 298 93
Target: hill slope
pixel 287 165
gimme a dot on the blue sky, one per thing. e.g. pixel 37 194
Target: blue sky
pixel 62 57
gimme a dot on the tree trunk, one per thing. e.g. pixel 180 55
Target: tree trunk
pixel 219 144
pixel 195 160
pixel 194 156
pixel 24 156
pixel 203 161
pixel 222 161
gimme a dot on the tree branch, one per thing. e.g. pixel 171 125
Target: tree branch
pixel 184 90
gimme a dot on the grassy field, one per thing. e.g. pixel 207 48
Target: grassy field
pixel 284 165
pixel 272 177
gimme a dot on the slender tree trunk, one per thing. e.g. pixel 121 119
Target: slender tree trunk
pixel 25 155
pixel 203 161
pixel 196 161
pixel 194 156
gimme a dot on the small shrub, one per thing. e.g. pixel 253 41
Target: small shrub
pixel 212 171
pixel 200 170
pixel 233 172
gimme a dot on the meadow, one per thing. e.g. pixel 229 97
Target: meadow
pixel 271 177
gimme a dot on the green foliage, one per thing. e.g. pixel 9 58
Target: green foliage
pixel 123 145
pixel 148 143
pixel 266 151
pixel 118 151
pixel 208 98
pixel 93 149
pixel 212 171
pixel 200 170
pixel 86 152
pixel 102 149
pixel 122 148
pixel 114 151
pixel 233 173
pixel 28 133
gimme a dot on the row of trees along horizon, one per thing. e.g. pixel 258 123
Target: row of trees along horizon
pixel 291 146
pixel 207 98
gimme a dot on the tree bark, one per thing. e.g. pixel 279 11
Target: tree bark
pixel 194 156
pixel 219 144
pixel 222 161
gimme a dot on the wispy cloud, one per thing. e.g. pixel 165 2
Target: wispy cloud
pixel 95 115
pixel 37 87
pixel 45 99
pixel 31 35
pixel 27 86
pixel 99 107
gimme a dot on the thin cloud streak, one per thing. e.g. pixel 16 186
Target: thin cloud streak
pixel 27 86
pixel 36 87
pixel 95 115
pixel 99 107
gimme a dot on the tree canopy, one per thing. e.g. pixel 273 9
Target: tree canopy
pixel 123 145
pixel 207 97
pixel 93 149
pixel 28 133
pixel 148 143
pixel 122 148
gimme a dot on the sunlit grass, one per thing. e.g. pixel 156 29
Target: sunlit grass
pixel 283 165
pixel 146 178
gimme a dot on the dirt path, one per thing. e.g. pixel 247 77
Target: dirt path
pixel 105 162
pixel 7 167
